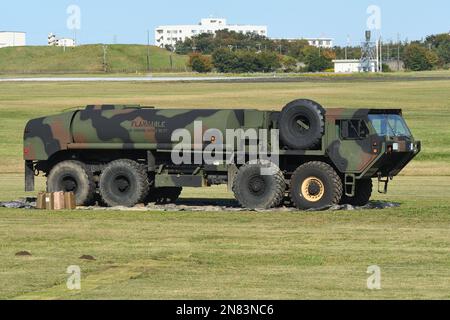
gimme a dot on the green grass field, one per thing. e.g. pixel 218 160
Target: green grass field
pixel 233 255
pixel 87 59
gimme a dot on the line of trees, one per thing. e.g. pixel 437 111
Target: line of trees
pixel 241 61
pixel 232 52
pixel 433 53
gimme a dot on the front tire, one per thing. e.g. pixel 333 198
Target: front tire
pixel 363 192
pixel 124 183
pixel 73 176
pixel 315 185
pixel 256 191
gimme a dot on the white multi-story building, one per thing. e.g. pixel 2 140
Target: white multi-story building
pixel 12 39
pixel 326 43
pixel 170 35
pixel 53 41
pixel 320 42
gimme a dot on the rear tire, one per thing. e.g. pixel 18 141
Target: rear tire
pixel 73 176
pixel 315 185
pixel 363 192
pixel 255 191
pixel 124 183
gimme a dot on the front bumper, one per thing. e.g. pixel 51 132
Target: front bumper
pixel 396 157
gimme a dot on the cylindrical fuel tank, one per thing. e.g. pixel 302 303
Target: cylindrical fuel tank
pixel 136 125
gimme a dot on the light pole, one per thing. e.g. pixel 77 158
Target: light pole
pixel 398 52
pixel 148 51
pixel 171 49
pixel 346 47
pixel 105 64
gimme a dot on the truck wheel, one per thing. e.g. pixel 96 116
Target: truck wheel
pixel 73 176
pixel 363 192
pixel 124 183
pixel 164 195
pixel 315 185
pixel 302 124
pixel 256 191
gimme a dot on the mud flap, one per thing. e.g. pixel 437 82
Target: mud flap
pixel 151 161
pixel 232 172
pixel 29 176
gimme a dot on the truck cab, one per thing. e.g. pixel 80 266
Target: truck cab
pixel 369 143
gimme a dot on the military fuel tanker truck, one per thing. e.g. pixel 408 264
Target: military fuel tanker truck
pixel 124 154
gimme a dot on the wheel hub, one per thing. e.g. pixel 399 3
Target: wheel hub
pixel 69 184
pixel 301 124
pixel 256 185
pixel 312 189
pixel 122 184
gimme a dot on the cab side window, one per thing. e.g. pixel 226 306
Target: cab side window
pixel 353 129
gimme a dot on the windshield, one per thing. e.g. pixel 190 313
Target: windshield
pixel 389 125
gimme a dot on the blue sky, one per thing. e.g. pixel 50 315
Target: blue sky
pixel 102 21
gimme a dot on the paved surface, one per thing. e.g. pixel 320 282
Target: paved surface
pixel 277 78
pixel 126 79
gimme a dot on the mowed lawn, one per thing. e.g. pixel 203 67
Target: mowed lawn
pixel 233 255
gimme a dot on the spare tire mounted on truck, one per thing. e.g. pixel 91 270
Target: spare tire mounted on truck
pixel 122 154
pixel 302 124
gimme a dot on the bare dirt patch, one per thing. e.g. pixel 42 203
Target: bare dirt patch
pixel 23 254
pixel 229 205
pixel 87 257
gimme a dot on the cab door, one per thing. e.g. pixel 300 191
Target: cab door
pixel 352 150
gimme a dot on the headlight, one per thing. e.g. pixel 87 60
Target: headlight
pixel 395 146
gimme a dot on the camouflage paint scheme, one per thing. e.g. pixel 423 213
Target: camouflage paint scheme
pixel 120 127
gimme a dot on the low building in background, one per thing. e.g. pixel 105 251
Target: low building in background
pixel 53 41
pixel 12 39
pixel 171 34
pixel 352 65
